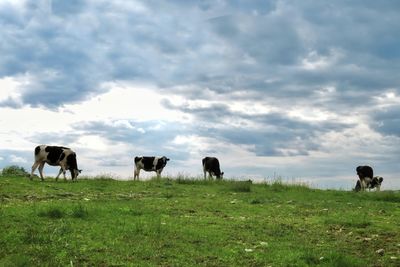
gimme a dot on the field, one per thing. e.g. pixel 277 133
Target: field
pixel 189 222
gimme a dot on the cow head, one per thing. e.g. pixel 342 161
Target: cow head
pixel 75 173
pixel 73 166
pixel 376 182
pixel 164 160
pixel 220 176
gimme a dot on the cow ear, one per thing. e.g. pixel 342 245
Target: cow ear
pixel 167 159
pixel 79 171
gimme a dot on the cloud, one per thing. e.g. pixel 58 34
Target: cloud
pixel 17 159
pixel 277 80
pixel 71 49
pixel 387 122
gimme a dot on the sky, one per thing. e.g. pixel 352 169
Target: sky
pixel 303 91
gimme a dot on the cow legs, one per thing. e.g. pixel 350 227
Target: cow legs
pixel 62 170
pixel 363 184
pixel 205 175
pixel 41 166
pixel 34 166
pixel 158 174
pixel 136 174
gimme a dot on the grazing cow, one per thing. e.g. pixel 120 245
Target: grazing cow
pixel 375 182
pixel 149 164
pixel 364 173
pixel 55 156
pixel 211 165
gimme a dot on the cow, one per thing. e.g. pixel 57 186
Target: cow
pixel 211 165
pixel 55 156
pixel 375 182
pixel 149 164
pixel 364 173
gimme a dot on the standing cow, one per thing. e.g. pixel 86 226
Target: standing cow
pixel 211 165
pixel 365 173
pixel 156 164
pixel 55 156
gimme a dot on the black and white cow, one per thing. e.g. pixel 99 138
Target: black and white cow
pixel 375 182
pixel 211 165
pixel 55 156
pixel 365 173
pixel 149 164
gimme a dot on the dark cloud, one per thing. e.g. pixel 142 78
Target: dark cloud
pixel 71 48
pixel 387 122
pixel 274 134
pixel 63 8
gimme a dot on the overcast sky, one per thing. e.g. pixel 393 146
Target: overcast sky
pixel 304 90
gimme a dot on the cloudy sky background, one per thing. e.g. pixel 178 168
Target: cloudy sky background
pixel 303 90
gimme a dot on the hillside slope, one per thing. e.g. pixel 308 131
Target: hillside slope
pixel 185 222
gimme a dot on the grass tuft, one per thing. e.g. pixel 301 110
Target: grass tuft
pixel 353 221
pixel 80 212
pixel 52 212
pixel 241 186
pixel 340 260
pixel 389 196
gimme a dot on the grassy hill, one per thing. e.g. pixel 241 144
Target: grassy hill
pixel 183 222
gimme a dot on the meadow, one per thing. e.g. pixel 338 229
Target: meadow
pixel 192 222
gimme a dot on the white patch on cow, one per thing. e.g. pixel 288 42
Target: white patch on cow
pixel 155 161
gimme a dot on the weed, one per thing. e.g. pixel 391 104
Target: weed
pixel 351 221
pixel 340 260
pixel 256 201
pixel 52 212
pixel 241 186
pixel 80 212
pixel 310 258
pixel 17 260
pixel 388 196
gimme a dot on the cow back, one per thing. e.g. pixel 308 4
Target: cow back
pixel 150 163
pixel 211 164
pixel 365 171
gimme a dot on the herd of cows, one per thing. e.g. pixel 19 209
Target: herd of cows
pixel 66 159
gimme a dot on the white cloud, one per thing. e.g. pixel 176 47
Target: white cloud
pixel 123 102
pixel 17 159
pixel 10 89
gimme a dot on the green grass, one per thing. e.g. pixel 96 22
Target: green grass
pixel 189 222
